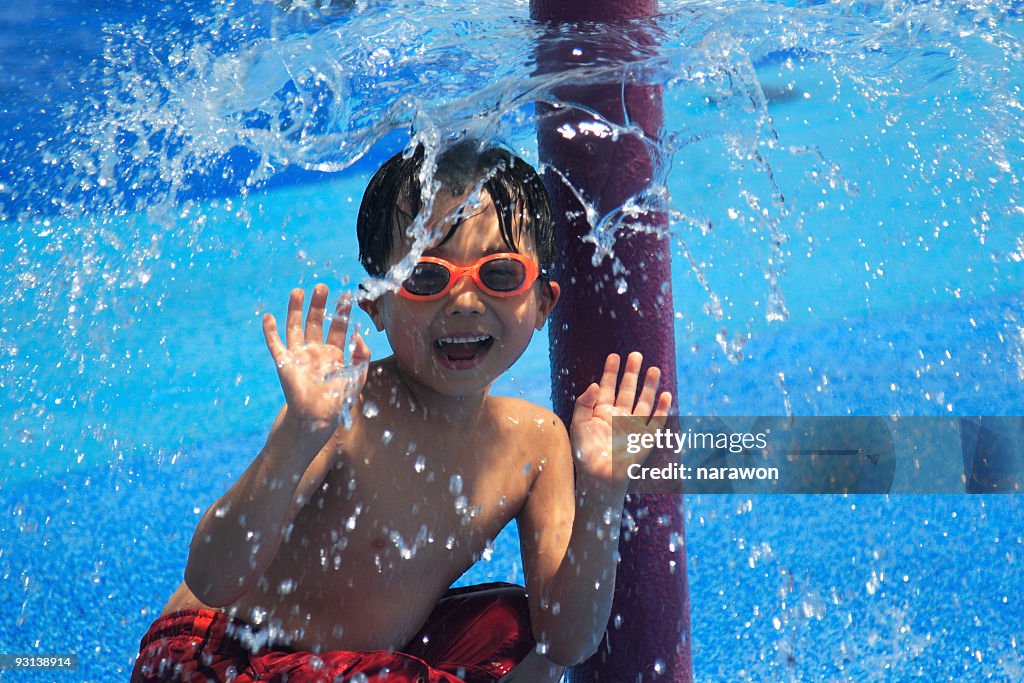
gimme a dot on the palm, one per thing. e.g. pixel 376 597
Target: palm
pixel 317 384
pixel 593 434
pixel 591 429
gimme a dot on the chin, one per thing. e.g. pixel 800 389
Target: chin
pixel 459 387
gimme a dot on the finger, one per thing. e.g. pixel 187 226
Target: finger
pixel 660 415
pixel 650 391
pixel 339 326
pixel 586 403
pixel 627 387
pixel 315 317
pixel 360 351
pixel 664 404
pixel 293 323
pixel 274 344
pixel 360 357
pixel 609 379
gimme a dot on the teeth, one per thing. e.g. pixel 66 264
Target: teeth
pixel 464 339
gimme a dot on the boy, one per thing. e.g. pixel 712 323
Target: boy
pixel 381 483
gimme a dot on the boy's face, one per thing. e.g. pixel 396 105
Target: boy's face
pixel 460 343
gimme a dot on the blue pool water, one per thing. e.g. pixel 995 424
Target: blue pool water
pixel 847 229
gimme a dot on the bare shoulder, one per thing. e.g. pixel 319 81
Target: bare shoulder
pixel 536 431
pixel 526 418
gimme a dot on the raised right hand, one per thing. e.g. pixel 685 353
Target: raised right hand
pixel 316 382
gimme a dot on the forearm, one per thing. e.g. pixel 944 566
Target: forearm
pixel 238 536
pixel 578 599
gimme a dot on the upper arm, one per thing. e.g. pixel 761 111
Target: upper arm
pixel 545 522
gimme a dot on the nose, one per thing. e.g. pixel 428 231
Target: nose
pixel 464 298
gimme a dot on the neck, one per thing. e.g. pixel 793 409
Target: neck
pixel 433 405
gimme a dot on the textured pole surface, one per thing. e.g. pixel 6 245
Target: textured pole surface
pixel 648 636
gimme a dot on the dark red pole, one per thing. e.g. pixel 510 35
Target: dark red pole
pixel 648 637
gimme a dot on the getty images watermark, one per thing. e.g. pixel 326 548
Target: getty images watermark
pixel 831 455
pixel 677 443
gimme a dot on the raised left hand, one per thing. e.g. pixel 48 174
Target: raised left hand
pixel 591 429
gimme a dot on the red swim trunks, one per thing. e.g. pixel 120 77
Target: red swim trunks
pixel 474 635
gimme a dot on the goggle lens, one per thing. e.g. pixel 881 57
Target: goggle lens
pixel 427 279
pixel 503 275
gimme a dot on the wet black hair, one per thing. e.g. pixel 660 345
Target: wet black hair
pixel 518 194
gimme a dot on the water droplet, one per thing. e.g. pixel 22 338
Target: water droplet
pixel 659 666
pixel 370 409
pixel 455 485
pixel 420 464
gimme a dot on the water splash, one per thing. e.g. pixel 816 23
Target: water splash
pixel 246 95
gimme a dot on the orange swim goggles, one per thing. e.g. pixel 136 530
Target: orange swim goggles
pixel 504 274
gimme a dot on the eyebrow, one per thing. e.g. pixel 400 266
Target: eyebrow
pixel 499 249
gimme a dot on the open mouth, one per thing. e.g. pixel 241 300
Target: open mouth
pixel 461 352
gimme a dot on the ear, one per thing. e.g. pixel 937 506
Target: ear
pixel 548 298
pixel 372 308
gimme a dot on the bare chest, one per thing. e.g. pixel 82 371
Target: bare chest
pixel 401 516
